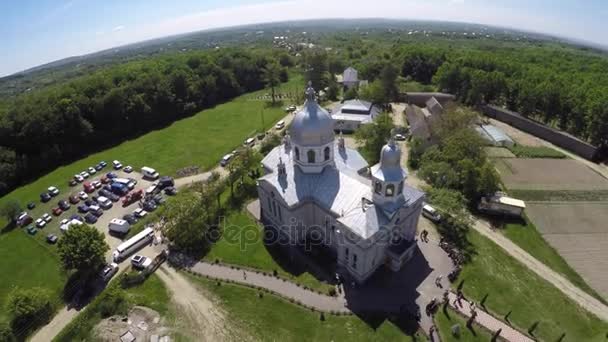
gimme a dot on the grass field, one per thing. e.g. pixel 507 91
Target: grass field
pixel 511 286
pixel 272 319
pixel 152 294
pixel 200 140
pixel 25 263
pixel 536 152
pixel 498 152
pixel 529 239
pixel 445 321
pixel 560 195
pixel 242 244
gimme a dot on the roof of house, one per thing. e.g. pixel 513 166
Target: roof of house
pixel 350 75
pixel 356 110
pixel 493 133
pixel 419 127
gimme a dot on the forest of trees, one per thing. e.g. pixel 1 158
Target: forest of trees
pixel 42 129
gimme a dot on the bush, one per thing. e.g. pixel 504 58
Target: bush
pixel 332 292
pixel 271 142
pixel 132 278
pixel 6 334
pixel 113 303
pixel 29 308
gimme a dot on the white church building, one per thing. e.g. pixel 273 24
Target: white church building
pixel 315 188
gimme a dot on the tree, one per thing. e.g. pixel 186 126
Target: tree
pixel 272 78
pixel 373 136
pixel 29 307
pixel 187 223
pixel 489 179
pixel 388 82
pixel 6 334
pixel 10 209
pixel 456 220
pixel 317 68
pixel 82 248
pixel 351 93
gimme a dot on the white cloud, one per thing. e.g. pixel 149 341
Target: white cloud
pixel 118 28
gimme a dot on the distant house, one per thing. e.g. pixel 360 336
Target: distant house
pixel 350 78
pixel 351 114
pixel 421 120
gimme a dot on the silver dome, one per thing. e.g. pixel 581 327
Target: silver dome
pixel 312 126
pixel 390 156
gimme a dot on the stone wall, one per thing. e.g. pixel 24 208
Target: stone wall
pixel 538 129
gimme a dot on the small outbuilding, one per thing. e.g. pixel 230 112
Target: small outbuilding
pixel 351 114
pixel 494 136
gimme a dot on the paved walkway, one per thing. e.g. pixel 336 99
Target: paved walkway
pixel 488 321
pixel 573 292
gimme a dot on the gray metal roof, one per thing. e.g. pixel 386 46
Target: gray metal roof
pixel 356 110
pixel 494 133
pixel 339 190
pixel 312 126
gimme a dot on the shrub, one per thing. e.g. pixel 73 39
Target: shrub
pixel 29 308
pixel 6 334
pixel 113 303
pixel 332 292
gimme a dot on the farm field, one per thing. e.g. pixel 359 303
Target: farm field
pixel 271 318
pixel 548 174
pixel 578 231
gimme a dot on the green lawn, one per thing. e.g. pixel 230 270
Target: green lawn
pixel 26 263
pixel 242 244
pixel 200 140
pixel 511 286
pixel 444 323
pixel 529 239
pixel 152 294
pixel 272 319
pixel 536 152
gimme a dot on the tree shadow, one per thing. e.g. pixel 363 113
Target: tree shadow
pixel 9 227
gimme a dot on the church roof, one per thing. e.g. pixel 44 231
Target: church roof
pixel 312 126
pixel 339 190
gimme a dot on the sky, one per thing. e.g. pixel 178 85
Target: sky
pixel 34 32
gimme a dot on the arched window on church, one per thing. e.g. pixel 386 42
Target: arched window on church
pixel 326 153
pixel 311 156
pixel 378 188
pixel 400 188
pixel 297 150
pixel 390 190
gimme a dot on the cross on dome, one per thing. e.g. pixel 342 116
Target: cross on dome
pixel 310 92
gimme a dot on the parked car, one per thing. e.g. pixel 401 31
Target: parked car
pixel 89 202
pixel 128 169
pixel 130 218
pixel 83 208
pixel 31 205
pixel 104 202
pixel 140 213
pixel 280 125
pixel 430 213
pixel 78 178
pixel 90 218
pixel 24 219
pixel 149 206
pixel 47 218
pixel 249 142
pixel 85 174
pixel 140 261
pixel 88 187
pixel 165 182
pixel 74 199
pixel 52 239
pixel 170 191
pixel 111 175
pixel 400 137
pixel 40 223
pixel 149 173
pixel 92 170
pixel 105 179
pixel 96 184
pixel 108 271
pixel 103 163
pixel 77 218
pixel 64 205
pixel 117 165
pixel 45 197
pixel 57 211
pixel 72 182
pixel 95 210
pixel 53 191
pixel 158 199
pixel 98 167
pixel 83 195
pixel 226 159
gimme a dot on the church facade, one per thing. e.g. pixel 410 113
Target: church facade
pixel 317 189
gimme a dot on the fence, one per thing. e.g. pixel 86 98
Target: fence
pixel 538 129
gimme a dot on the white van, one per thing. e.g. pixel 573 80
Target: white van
pixel 149 173
pixel 430 213
pixel 280 125
pixel 249 142
pixel 119 226
pixel 104 202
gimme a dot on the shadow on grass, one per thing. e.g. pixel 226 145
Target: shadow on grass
pixel 10 226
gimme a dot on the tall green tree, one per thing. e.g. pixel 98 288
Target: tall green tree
pixel 10 209
pixel 272 78
pixel 375 135
pixel 29 308
pixel 82 248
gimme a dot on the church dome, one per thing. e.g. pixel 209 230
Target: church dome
pixel 390 156
pixel 312 126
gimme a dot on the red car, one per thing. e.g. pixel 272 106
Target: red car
pixel 105 180
pixel 88 187
pixel 57 211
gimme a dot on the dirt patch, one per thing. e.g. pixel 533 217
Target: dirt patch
pixel 199 317
pixel 141 322
pixel 578 231
pixel 548 174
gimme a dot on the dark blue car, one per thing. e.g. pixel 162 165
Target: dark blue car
pixel 83 208
pixel 111 175
pixel 90 218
